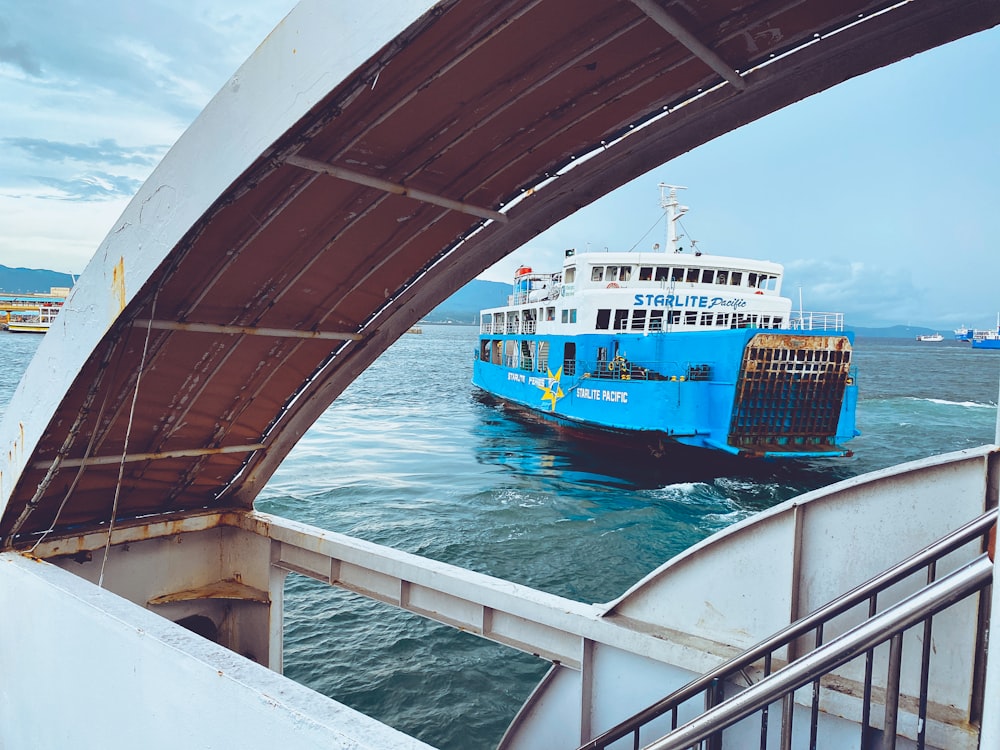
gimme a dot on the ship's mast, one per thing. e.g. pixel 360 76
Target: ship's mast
pixel 674 211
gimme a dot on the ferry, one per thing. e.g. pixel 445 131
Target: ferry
pixel 36 321
pixel 678 347
pixel 987 338
pixel 931 337
pixel 964 333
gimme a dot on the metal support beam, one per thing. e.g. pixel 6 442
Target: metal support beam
pixel 689 40
pixel 132 457
pixel 291 333
pixel 391 187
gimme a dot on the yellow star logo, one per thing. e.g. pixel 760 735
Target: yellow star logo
pixel 552 392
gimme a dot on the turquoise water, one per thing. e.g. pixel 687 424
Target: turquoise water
pixel 410 456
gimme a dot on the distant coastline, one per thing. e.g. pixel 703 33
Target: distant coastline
pixel 461 308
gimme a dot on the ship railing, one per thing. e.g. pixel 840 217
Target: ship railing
pixel 816 321
pixel 877 629
pixel 621 368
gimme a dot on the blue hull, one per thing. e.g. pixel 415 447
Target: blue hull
pixel 986 344
pixel 787 395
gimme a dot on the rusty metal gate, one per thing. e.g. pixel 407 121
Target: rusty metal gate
pixel 790 392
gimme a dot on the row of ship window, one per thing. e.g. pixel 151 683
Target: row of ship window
pixel 640 319
pixel 679 274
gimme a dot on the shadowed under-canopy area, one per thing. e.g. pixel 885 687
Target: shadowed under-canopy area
pixel 360 167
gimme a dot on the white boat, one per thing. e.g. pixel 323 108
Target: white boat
pixel 931 337
pixel 260 268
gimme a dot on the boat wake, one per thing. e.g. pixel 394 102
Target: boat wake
pixel 946 402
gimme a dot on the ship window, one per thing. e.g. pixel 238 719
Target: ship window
pixel 570 274
pixel 645 273
pixel 656 320
pixel 771 283
pixel 484 350
pixel 722 277
pixel 765 321
pixel 496 352
pixel 625 274
pixel 550 313
pixel 777 322
pixel 565 316
pixel 673 317
pixel 707 276
pixel 611 274
pixel 720 319
pixel 662 273
pixel 677 274
pixel 621 320
pixel 638 320
pixel 690 318
pixel 752 280
pixel 736 278
pixel 509 353
pixel 572 315
pixel 692 275
pixel 597 274
pixel 569 358
pixel 706 318
pixel 603 319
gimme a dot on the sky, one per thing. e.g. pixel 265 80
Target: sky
pixel 881 197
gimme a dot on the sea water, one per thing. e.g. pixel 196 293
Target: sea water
pixel 413 457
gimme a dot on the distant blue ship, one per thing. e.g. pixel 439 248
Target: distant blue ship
pixel 987 339
pixel 685 348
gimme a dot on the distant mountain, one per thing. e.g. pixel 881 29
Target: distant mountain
pixel 28 280
pixel 464 305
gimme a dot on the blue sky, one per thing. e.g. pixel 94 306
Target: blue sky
pixel 880 196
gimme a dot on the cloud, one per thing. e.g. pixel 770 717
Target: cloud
pixel 90 187
pixel 17 53
pixel 97 171
pixel 870 294
pixel 106 151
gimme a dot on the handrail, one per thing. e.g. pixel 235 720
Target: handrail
pixel 957 538
pixel 930 600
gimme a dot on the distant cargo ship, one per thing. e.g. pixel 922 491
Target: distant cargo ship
pixel 695 349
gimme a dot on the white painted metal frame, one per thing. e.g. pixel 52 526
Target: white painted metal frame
pixel 657 633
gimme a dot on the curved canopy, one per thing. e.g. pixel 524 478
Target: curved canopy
pixel 360 167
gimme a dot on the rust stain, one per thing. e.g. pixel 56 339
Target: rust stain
pixel 118 285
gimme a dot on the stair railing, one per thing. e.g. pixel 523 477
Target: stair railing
pixel 875 626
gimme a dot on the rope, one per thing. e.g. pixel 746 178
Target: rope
pixel 128 433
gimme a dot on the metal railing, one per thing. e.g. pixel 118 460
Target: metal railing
pixel 879 627
pixel 816 321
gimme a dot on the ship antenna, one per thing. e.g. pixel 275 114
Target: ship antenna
pixel 674 211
